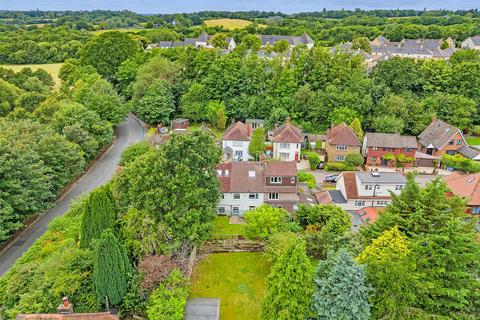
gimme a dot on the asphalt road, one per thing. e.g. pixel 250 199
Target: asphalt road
pixel 128 132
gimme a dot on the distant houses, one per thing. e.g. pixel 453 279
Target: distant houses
pixel 203 41
pixel 441 138
pixel 471 43
pixel 380 149
pixel 467 186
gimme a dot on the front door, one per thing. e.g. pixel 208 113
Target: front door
pixel 296 156
pixel 384 162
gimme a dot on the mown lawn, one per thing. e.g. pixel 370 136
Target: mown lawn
pixel 473 141
pixel 221 226
pixel 217 132
pixel 52 68
pixel 238 279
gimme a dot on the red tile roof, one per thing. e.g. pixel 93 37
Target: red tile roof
pixel 238 131
pixel 369 214
pixel 465 185
pixel 343 135
pixel 287 133
pixel 350 182
pixel 239 178
pixel 323 197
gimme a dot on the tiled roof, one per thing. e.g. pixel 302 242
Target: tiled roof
pixel 438 133
pixel 292 40
pixel 390 140
pixel 476 40
pixel 342 135
pixel 469 152
pixel 381 177
pixel 369 214
pixel 72 316
pixel 465 185
pixel 287 133
pixel 238 131
pixel 280 168
pixel 240 178
pixel 307 199
pixel 337 196
pixel 323 197
pixel 350 185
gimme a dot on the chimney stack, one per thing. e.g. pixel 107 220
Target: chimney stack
pixel 65 307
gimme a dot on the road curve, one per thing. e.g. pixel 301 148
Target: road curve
pixel 128 132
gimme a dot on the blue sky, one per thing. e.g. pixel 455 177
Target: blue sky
pixel 287 6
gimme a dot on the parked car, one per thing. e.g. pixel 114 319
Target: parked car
pixel 331 178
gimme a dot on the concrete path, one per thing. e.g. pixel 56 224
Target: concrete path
pixel 128 132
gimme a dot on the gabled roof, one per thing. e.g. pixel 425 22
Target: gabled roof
pixel 292 40
pixel 469 152
pixel 203 37
pixel 238 131
pixel 350 182
pixel 368 214
pixel 465 185
pixel 236 176
pixel 343 135
pixel 287 133
pixel 390 140
pixel 475 40
pixel 437 134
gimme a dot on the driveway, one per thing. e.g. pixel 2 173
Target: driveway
pixel 130 131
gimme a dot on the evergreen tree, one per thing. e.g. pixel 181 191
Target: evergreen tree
pixel 99 215
pixel 289 285
pixel 257 144
pixel 391 271
pixel 110 269
pixel 356 126
pixel 342 292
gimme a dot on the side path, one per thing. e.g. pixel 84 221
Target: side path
pixel 130 131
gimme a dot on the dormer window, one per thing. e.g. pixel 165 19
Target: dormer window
pixel 276 180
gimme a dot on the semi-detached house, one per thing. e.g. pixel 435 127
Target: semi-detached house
pixel 246 185
pixel 235 142
pixel 287 141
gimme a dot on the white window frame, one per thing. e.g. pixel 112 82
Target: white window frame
pixel 284 156
pixel 339 158
pixel 368 187
pixel 273 196
pixel 221 210
pixel 399 187
pixel 293 180
pixel 359 203
pixel 235 210
pixel 237 143
pixel 236 196
pixel 253 196
pixel 276 180
pixel 284 145
pixel 341 147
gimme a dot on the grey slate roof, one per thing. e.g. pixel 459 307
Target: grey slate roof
pixel 476 40
pixel 438 133
pixel 292 40
pixel 382 177
pixel 337 196
pixel 468 152
pixel 390 140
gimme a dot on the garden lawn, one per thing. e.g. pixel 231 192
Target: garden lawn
pixel 238 279
pixel 52 68
pixel 473 141
pixel 217 132
pixel 221 226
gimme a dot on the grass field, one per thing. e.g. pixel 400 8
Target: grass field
pixel 52 68
pixel 473 141
pixel 221 226
pixel 218 132
pixel 229 24
pixel 134 30
pixel 237 279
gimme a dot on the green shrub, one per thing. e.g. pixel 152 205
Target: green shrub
pixel 168 301
pixel 314 159
pixel 133 152
pixel 461 164
pixel 264 221
pixel 354 159
pixel 476 130
pixel 338 166
pixel 308 178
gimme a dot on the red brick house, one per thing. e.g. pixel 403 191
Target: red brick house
pixel 377 145
pixel 440 138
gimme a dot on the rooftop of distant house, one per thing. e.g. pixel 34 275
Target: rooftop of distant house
pixel 437 134
pixel 238 131
pixel 342 134
pixel 465 185
pixel 390 140
pixel 287 132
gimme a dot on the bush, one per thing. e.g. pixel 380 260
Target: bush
pixel 168 301
pixel 264 221
pixel 461 164
pixel 308 178
pixel 134 151
pixel 337 166
pixel 354 159
pixel 476 130
pixel 314 159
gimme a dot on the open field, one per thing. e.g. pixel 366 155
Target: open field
pixel 222 226
pixel 52 68
pixel 238 279
pixel 473 141
pixel 229 24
